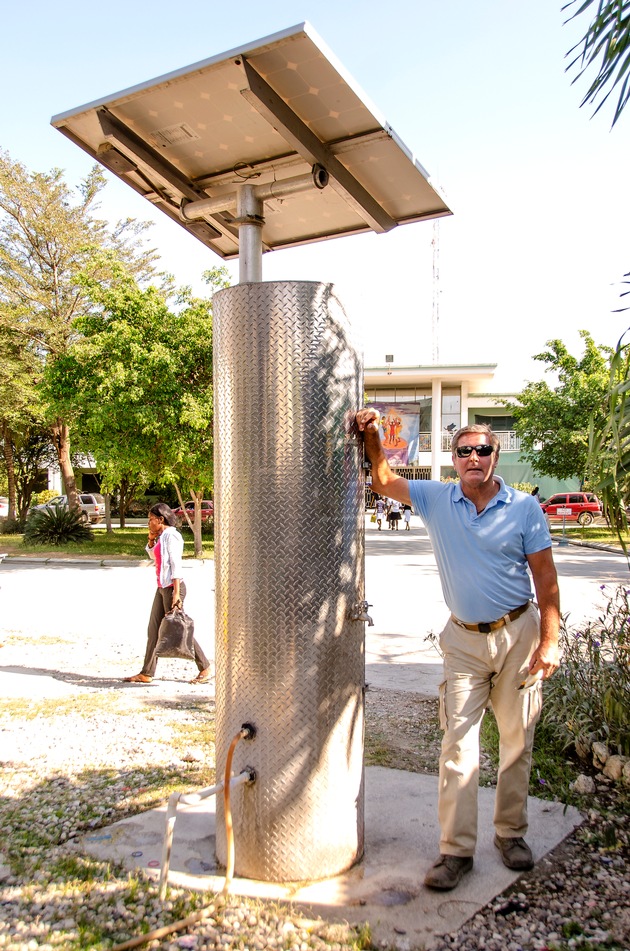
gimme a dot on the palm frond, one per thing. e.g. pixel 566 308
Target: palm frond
pixel 605 46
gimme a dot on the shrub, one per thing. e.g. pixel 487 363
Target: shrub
pixel 207 528
pixel 40 498
pixel 527 487
pixel 589 697
pixel 56 525
pixel 10 526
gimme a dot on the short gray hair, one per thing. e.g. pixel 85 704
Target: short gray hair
pixel 477 428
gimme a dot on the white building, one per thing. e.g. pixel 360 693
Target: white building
pixel 443 398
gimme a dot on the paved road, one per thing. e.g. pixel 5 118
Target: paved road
pixel 107 608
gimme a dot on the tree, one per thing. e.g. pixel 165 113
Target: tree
pixel 607 42
pixel 18 406
pixel 553 423
pixel 31 452
pixel 138 382
pixel 48 235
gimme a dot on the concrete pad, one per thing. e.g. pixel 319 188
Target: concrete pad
pixel 385 889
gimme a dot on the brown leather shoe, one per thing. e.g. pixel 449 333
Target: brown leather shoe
pixel 138 679
pixel 516 853
pixel 447 872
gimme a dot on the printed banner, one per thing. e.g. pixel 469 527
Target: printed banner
pixel 399 432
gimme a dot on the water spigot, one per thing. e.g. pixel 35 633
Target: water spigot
pixel 360 613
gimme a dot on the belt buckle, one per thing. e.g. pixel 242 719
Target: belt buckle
pixel 485 627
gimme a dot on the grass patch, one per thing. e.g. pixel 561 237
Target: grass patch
pixel 26 709
pixel 119 543
pixel 378 752
pixel 198 733
pixel 600 534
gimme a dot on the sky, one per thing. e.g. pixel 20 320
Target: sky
pixel 538 243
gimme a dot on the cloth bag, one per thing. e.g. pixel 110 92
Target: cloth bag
pixel 175 636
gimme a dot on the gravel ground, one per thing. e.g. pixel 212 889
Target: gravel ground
pixel 80 760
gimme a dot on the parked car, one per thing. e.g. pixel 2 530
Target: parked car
pixel 584 506
pixel 4 506
pixel 92 505
pixel 207 511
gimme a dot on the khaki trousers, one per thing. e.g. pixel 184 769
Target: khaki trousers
pixel 482 670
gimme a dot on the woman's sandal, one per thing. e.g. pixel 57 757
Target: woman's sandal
pixel 203 677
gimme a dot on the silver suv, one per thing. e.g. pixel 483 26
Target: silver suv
pixel 92 505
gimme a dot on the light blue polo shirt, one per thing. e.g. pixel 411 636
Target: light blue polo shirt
pixel 482 558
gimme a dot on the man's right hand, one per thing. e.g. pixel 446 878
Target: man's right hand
pixel 384 481
pixel 368 418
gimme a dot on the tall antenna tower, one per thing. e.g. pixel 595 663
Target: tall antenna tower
pixel 435 321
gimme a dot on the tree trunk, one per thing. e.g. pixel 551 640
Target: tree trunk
pixel 197 496
pixel 61 441
pixel 7 447
pixel 195 523
pixel 108 513
pixel 127 491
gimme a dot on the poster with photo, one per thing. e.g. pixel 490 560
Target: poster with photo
pixel 399 432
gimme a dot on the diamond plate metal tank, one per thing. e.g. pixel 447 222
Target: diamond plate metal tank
pixel 289 573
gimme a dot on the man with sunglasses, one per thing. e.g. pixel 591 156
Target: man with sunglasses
pixel 497 644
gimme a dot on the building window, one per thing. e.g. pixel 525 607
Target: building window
pixel 498 424
pixel 451 410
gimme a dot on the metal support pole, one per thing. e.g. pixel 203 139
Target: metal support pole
pixel 250 219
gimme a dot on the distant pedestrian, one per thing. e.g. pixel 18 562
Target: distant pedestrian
pixel 394 514
pixel 407 517
pixel 165 548
pixel 379 511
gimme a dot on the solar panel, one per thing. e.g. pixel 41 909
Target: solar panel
pixel 280 115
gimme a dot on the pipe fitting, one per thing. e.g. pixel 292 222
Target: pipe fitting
pixel 320 176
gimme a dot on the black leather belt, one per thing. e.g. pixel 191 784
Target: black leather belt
pixel 485 627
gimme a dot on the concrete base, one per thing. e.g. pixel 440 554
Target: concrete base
pixel 385 889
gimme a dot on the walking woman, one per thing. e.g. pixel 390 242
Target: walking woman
pixel 165 548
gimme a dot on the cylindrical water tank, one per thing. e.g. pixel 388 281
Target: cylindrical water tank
pixel 289 576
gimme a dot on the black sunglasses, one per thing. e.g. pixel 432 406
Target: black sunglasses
pixel 462 452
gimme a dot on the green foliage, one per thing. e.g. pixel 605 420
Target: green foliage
pixel 32 452
pixel 553 423
pixel 10 526
pixel 138 382
pixel 40 498
pixel 606 46
pixel 49 233
pixel 527 487
pixel 589 696
pixel 609 444
pixel 56 525
pixel 119 543
pixel 207 528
